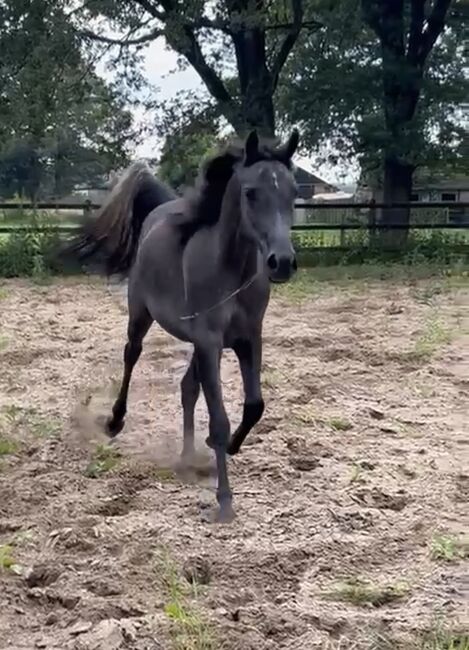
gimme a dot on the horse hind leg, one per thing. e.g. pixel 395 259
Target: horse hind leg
pixel 139 324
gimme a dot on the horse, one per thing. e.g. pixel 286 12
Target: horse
pixel 200 266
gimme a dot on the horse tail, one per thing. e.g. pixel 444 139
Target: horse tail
pixel 110 238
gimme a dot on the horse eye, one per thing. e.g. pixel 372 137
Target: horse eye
pixel 251 195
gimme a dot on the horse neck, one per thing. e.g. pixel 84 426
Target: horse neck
pixel 236 244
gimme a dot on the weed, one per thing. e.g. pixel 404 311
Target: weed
pixel 3 293
pixel 447 548
pixel 3 342
pixel 164 474
pixel 189 630
pixel 7 446
pixel 22 537
pixel 29 418
pixel 433 336
pixel 362 593
pixel 340 424
pixel 306 415
pixel 105 458
pixel 357 474
pixel 445 640
pixel 7 561
pixel 271 378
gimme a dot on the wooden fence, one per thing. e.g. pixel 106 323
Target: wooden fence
pixel 340 217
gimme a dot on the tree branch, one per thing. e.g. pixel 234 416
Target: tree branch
pixel 417 17
pixel 386 20
pixel 124 40
pixel 288 42
pixel 192 51
pixel 435 25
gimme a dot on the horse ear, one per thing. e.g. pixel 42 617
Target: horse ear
pixel 251 149
pixel 286 152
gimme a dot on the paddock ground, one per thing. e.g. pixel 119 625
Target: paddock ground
pixel 352 494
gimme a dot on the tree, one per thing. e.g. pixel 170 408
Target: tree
pixel 238 47
pixel 60 123
pixel 407 32
pixel 394 115
pixel 190 135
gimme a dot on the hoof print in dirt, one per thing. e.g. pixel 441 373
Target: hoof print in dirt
pixel 376 414
pixel 196 570
pixel 304 464
pixel 384 501
pixel 104 588
pixel 42 575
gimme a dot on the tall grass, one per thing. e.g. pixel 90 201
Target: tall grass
pixel 30 251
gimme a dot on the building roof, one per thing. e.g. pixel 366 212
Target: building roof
pixel 305 165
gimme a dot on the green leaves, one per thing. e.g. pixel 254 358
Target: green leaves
pixel 61 124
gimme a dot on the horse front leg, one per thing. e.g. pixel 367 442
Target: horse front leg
pixel 249 353
pixel 190 390
pixel 208 366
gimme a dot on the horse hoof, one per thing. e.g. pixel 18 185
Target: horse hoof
pixel 113 428
pixel 225 515
pixel 209 443
pixel 233 447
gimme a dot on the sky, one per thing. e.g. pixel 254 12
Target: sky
pixel 161 70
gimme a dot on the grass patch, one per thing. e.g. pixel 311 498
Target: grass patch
pixel 306 415
pixel 431 339
pixel 189 631
pixel 361 593
pixel 164 474
pixel 340 424
pixel 444 640
pixel 3 342
pixel 7 561
pixel 30 419
pixel 8 446
pixel 271 378
pixel 105 459
pixel 448 549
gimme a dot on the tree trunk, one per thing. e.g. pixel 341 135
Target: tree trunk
pixel 397 189
pixel 259 109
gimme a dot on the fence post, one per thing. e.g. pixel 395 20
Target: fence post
pixel 87 210
pixel 342 230
pixel 372 222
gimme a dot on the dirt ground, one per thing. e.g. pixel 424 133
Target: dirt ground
pixel 351 495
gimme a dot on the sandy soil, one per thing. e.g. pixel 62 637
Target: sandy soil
pixel 359 464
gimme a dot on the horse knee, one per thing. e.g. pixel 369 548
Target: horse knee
pixel 219 432
pixel 132 352
pixel 252 413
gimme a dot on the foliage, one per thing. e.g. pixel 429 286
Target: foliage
pixel 189 138
pixel 30 251
pixel 237 48
pixel 61 124
pixel 354 123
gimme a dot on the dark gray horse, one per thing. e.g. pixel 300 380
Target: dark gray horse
pixel 200 266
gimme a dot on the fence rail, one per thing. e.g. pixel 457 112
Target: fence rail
pixel 366 221
pixel 89 205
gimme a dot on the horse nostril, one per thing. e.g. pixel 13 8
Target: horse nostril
pixel 272 262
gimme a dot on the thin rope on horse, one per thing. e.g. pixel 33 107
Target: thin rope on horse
pixel 222 302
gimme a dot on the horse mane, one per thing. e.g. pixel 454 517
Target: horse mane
pixel 206 197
